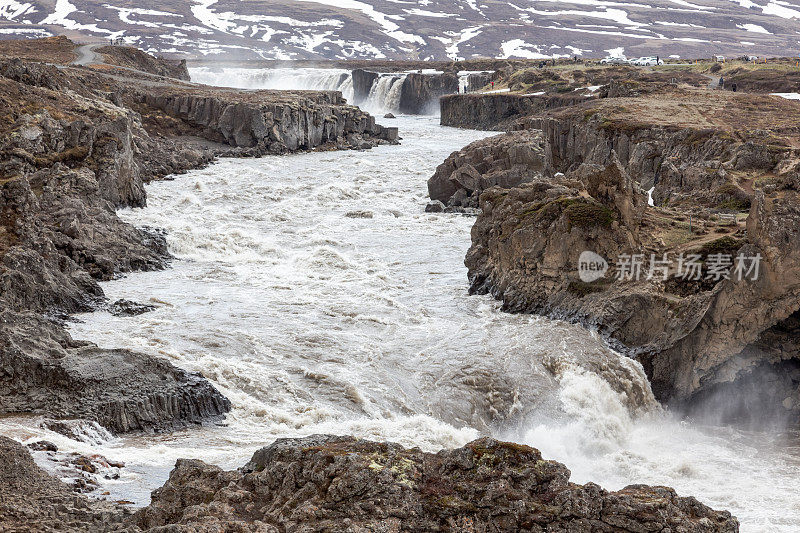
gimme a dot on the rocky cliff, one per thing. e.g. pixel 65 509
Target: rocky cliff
pixel 421 92
pixel 69 160
pixel 505 160
pixel 498 111
pixel 362 84
pixel 695 338
pixel 271 122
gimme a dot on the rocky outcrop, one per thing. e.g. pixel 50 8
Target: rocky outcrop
pixel 697 339
pixel 421 92
pixel 327 483
pixel 46 372
pixel 504 160
pixel 133 58
pixel 362 84
pixel 499 111
pixel 267 122
pixel 69 160
pixel 32 500
pixel 324 483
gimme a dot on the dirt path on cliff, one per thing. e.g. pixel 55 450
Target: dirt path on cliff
pixel 87 56
pixel 713 81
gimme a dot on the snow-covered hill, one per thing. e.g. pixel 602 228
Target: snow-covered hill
pixel 426 29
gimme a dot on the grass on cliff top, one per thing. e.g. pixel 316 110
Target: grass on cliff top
pixel 59 50
pixel 734 117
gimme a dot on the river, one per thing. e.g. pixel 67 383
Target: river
pixel 317 295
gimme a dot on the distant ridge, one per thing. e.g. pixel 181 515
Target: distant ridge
pixel 427 29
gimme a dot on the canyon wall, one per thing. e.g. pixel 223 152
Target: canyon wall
pixel 421 92
pixel 269 122
pixel 499 111
pixel 692 338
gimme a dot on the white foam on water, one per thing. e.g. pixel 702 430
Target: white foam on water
pixel 752 475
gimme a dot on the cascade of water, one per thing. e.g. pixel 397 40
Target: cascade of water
pixel 384 96
pixel 309 79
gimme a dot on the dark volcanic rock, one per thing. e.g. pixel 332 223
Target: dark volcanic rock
pixel 269 122
pixel 325 483
pixel 420 93
pixel 504 160
pixel 362 84
pixel 129 308
pixel 46 372
pixel 501 111
pixel 43 446
pixel 698 340
pixel 32 500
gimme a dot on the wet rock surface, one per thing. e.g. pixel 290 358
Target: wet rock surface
pixel 32 500
pixel 129 308
pixel 324 483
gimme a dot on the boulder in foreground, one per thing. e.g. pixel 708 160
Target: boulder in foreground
pixel 327 483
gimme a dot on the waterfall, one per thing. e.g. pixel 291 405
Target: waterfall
pixel 384 96
pixel 307 79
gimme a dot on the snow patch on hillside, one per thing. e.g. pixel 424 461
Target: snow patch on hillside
pixel 389 28
pixel 60 17
pixel 755 28
pixel 453 50
pixel 11 9
pixel 520 49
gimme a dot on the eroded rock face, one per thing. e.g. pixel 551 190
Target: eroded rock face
pixel 325 483
pixel 32 500
pixel 499 112
pixel 271 122
pixel 60 237
pixel 504 160
pixel 696 340
pixel 362 84
pixel 421 92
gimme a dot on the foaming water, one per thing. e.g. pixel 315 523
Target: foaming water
pixel 317 295
pixel 384 95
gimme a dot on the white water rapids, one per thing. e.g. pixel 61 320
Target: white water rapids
pixel 316 294
pixel 383 97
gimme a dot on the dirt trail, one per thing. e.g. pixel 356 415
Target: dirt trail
pixel 87 55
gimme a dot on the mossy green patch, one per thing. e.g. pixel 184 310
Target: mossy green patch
pixel 589 215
